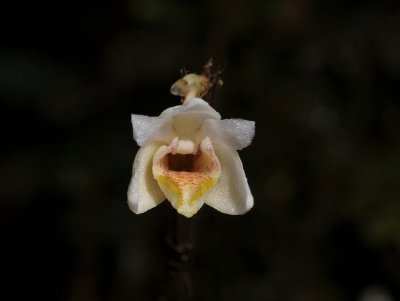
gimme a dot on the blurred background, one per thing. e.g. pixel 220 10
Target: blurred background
pixel 321 80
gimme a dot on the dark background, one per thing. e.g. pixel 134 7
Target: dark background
pixel 321 80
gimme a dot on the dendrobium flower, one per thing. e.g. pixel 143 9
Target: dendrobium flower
pixel 188 155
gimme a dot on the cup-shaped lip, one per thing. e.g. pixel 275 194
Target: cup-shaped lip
pixel 186 178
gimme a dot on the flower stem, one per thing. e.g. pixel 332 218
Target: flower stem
pixel 178 283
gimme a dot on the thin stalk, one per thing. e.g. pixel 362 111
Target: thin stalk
pixel 178 282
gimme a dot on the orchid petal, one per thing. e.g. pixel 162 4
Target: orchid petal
pixel 186 189
pixel 147 128
pixel 144 127
pixel 237 133
pixel 144 192
pixel 231 194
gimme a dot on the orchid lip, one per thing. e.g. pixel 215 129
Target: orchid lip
pixel 185 178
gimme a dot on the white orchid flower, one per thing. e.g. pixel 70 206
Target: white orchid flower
pixel 188 155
